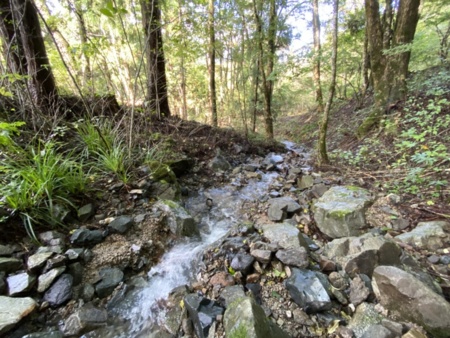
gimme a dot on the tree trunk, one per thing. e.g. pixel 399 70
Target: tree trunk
pixel 184 113
pixel 316 58
pixel 212 64
pixel 156 65
pixel 22 35
pixel 322 145
pixel 389 70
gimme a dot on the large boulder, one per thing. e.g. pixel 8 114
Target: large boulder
pixel 411 300
pixel 362 254
pixel 340 212
pixel 178 219
pixel 245 318
pixel 285 235
pixel 12 310
pixel 427 235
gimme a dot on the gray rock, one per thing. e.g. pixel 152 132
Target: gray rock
pixel 362 254
pixel 84 320
pixel 87 292
pixel 76 271
pixel 340 212
pixel 245 318
pixel 294 257
pixel 2 283
pixel 219 163
pixel 378 331
pixel 9 264
pixel 45 280
pixel 165 191
pixel 60 292
pixel 6 250
pixel 74 253
pixel 230 294
pixel 308 291
pixel 307 181
pixel 121 224
pixel 280 207
pixel 242 262
pixel 110 278
pixel 262 256
pixel 20 283
pixel 273 159
pixel 364 317
pixel 12 310
pixel 203 313
pixel 47 334
pixel 399 292
pixel 427 235
pixel 86 212
pixel 284 235
pixel 174 315
pixel 358 291
pixel 37 261
pixel 82 237
pixel 318 190
pixel 55 262
pixel 48 236
pixel 180 222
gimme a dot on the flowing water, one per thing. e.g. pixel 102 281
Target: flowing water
pixel 141 310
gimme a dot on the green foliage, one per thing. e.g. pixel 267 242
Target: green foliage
pixel 239 332
pixel 104 147
pixel 38 180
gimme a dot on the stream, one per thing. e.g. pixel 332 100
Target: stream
pixel 141 311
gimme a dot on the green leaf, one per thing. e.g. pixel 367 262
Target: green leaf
pixel 105 11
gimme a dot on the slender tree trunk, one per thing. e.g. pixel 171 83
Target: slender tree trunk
pixel 316 58
pixel 212 64
pixel 255 95
pixel 184 113
pixel 322 145
pixel 156 64
pixel 365 64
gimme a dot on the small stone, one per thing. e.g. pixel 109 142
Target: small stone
pixel 45 280
pixel 121 224
pixel 294 257
pixel 8 264
pixel 48 236
pixel 55 262
pixel 86 212
pixel 242 262
pixel 262 256
pixel 253 278
pixel 20 283
pixel 74 253
pixel 222 278
pixel 60 292
pixel 12 310
pixel 110 278
pixel 433 259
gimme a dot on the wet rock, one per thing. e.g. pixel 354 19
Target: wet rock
pixel 222 278
pixel 74 253
pixel 231 294
pixel 178 219
pixel 110 278
pixel 427 235
pixel 245 318
pixel 86 212
pixel 203 313
pixel 278 207
pixel 219 163
pixel 49 237
pixel 8 264
pixel 305 182
pixel 175 312
pixel 45 280
pixel 308 291
pixel 84 320
pixel 340 212
pixel 60 292
pixel 294 257
pixel 37 261
pixel 84 237
pixel 47 334
pixel 242 262
pixel 20 283
pixel 364 317
pixel 262 256
pixel 362 254
pixel 399 292
pixel 121 224
pixel 284 235
pixel 12 310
